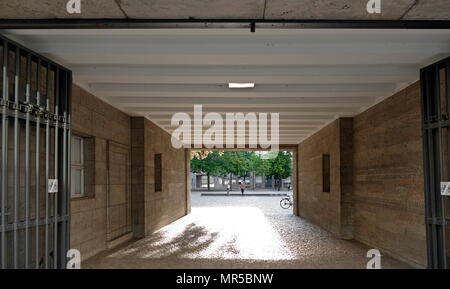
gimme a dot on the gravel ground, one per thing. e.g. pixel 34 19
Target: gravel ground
pixel 238 232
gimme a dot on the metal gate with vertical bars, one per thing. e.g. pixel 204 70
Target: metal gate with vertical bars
pixel 435 81
pixel 35 145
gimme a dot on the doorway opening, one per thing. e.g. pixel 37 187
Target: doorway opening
pixel 241 195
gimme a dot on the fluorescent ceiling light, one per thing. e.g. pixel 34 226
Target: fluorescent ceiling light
pixel 241 85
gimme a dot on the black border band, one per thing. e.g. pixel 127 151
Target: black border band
pixel 219 23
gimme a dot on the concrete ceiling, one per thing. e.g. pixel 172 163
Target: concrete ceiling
pixel 309 76
pixel 229 9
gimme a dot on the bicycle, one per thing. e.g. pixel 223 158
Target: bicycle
pixel 286 202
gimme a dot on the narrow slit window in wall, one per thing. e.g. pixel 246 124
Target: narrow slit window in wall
pixel 158 173
pixel 326 173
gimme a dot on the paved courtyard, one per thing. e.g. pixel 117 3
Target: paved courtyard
pixel 238 232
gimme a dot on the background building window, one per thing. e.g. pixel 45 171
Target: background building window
pixel 326 173
pixel 158 173
pixel 77 167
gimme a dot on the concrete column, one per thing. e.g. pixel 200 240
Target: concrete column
pixel 149 212
pixel 188 180
pixel 137 177
pixel 294 181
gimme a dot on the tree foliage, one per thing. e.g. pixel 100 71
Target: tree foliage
pixel 210 163
pixel 241 164
pixel 281 167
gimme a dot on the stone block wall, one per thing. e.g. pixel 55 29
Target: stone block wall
pixel 100 219
pixel 377 190
pixel 100 124
pixel 325 208
pixel 120 151
pixel 157 209
pixel 388 177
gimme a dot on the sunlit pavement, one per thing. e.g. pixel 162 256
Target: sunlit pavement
pixel 238 232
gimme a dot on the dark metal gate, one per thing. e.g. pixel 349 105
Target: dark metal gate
pixel 435 80
pixel 35 138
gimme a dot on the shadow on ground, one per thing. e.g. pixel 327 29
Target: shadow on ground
pixel 251 232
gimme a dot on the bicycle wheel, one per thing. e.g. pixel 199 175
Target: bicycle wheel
pixel 285 203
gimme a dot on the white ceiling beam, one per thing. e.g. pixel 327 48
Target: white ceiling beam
pixel 167 123
pixel 280 136
pixel 96 74
pixel 249 107
pixel 241 101
pixel 276 79
pixel 286 110
pixel 329 58
pixel 92 71
pixel 203 96
pixel 248 46
pixel 285 136
pixel 153 91
pixel 281 129
pixel 283 118
pixel 167 120
pixel 347 87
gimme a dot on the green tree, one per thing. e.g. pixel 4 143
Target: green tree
pixel 208 162
pixel 236 163
pixel 281 167
pixel 241 164
pixel 247 164
pixel 260 166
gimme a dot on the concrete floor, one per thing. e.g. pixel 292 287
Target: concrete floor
pixel 238 232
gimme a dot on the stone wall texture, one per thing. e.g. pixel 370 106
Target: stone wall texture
pixel 377 191
pixel 157 209
pixel 325 208
pixel 388 184
pixel 120 200
pixel 102 125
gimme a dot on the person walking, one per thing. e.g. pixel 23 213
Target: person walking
pixel 228 190
pixel 242 187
